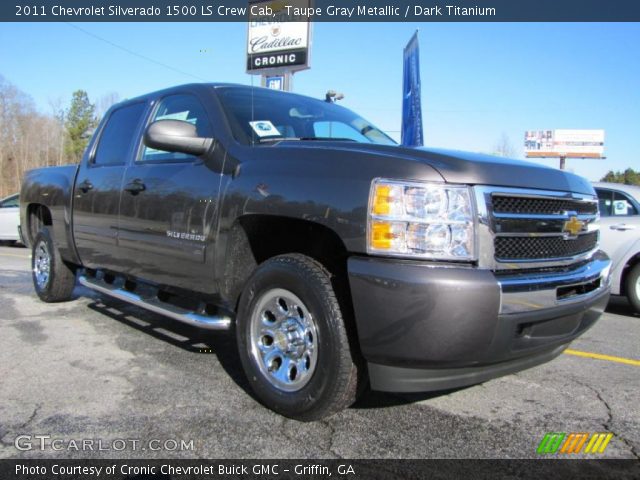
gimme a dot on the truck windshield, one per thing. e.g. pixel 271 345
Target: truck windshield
pixel 259 115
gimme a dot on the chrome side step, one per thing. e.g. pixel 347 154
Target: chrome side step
pixel 209 322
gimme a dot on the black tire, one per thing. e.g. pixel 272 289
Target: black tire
pixel 60 277
pixel 633 287
pixel 332 379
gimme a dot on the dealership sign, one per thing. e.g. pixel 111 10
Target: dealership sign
pixel 276 39
pixel 564 143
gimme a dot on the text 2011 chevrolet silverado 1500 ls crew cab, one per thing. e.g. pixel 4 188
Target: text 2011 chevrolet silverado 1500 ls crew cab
pixel 337 256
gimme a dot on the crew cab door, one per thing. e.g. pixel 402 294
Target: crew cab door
pixel 619 223
pixel 169 206
pixel 96 194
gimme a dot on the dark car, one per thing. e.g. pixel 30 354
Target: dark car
pixel 338 257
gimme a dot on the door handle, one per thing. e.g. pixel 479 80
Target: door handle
pixel 135 187
pixel 85 186
pixel 622 227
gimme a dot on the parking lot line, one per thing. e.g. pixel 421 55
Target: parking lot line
pixel 599 356
pixel 10 255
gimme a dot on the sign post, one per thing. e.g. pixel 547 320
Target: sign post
pixel 278 42
pixel 564 144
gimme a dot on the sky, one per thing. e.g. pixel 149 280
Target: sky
pixel 480 81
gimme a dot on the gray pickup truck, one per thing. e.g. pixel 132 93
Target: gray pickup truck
pixel 337 257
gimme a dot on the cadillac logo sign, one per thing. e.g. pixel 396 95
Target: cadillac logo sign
pixel 276 39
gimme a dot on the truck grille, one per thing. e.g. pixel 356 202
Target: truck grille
pixel 537 229
pixel 542 206
pixel 540 248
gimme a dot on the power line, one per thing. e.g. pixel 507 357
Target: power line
pixel 131 52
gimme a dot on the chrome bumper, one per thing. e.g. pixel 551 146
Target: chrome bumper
pixel 525 292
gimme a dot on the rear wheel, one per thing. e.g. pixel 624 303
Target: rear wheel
pixel 633 287
pixel 53 279
pixel 293 342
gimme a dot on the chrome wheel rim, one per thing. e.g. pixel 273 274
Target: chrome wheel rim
pixel 284 340
pixel 41 264
pixel 638 287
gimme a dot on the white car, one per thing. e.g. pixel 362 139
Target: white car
pixel 620 237
pixel 10 218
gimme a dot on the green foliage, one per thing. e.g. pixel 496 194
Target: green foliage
pixel 80 121
pixel 628 177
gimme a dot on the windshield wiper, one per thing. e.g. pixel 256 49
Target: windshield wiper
pixel 282 139
pixel 276 139
pixel 330 139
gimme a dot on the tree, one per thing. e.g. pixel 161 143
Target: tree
pixel 628 177
pixel 504 147
pixel 28 138
pixel 610 177
pixel 631 177
pixel 79 122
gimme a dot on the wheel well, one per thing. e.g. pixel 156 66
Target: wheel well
pixel 37 217
pixel 257 238
pixel 269 236
pixel 633 261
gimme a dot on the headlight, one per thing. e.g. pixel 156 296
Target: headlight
pixel 426 220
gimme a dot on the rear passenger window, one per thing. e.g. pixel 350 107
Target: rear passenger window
pixel 178 107
pixel 118 135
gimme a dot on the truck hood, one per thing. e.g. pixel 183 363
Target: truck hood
pixel 472 168
pixel 476 168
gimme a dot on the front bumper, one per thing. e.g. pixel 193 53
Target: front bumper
pixel 430 327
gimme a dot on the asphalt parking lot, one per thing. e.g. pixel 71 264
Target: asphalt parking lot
pixel 98 369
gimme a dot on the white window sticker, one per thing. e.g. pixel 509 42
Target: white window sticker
pixel 620 207
pixel 264 128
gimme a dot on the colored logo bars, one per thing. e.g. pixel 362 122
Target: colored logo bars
pixel 574 443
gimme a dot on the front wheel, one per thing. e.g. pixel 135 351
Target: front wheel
pixel 293 342
pixel 633 287
pixel 53 279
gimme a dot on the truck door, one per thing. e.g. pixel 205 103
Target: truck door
pixel 619 223
pixel 96 194
pixel 169 206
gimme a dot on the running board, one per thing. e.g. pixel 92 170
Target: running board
pixel 209 322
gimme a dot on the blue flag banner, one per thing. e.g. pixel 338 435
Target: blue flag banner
pixel 411 106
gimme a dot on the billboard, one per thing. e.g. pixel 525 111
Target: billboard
pixel 277 39
pixel 564 143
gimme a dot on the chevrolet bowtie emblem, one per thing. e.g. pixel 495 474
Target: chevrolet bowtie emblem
pixel 573 226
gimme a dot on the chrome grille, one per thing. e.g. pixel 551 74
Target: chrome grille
pixel 524 229
pixel 540 248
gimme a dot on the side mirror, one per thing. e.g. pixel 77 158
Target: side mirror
pixel 176 136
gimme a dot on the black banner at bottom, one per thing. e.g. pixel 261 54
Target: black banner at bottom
pixel 119 469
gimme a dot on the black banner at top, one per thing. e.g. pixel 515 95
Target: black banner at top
pixel 322 10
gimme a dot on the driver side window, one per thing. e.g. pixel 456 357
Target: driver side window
pixel 178 107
